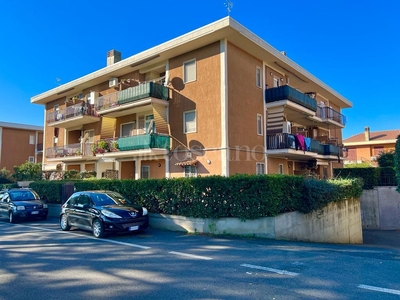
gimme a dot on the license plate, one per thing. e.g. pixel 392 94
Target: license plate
pixel 34 212
pixel 132 228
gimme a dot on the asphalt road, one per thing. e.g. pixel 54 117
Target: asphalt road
pixel 39 261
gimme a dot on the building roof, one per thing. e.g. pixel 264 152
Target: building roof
pixel 376 137
pixel 226 29
pixel 21 126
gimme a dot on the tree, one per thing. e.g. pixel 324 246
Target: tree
pixel 28 171
pixel 386 159
pixel 397 162
pixel 5 176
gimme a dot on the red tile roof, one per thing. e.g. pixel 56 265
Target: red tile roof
pixel 374 136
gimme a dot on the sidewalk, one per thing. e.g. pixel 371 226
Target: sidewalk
pixel 382 238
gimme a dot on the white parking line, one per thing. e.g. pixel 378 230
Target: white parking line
pixel 85 236
pixel 282 272
pixel 190 255
pixel 378 289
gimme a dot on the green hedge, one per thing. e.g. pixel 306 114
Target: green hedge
pixel 8 186
pixel 239 196
pixel 370 176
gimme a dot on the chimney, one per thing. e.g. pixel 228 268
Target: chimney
pixel 367 133
pixel 113 56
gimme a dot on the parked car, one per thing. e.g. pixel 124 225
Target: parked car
pixel 101 212
pixel 22 203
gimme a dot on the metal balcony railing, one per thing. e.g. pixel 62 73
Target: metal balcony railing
pixel 331 114
pixel 77 149
pixel 286 92
pixel 62 114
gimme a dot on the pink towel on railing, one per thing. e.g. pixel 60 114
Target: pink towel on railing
pixel 302 144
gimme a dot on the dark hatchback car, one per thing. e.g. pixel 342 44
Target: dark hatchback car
pixel 22 203
pixel 101 212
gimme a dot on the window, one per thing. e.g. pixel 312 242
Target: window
pixel 258 77
pixel 89 136
pixel 189 71
pixel 189 121
pixel 276 82
pixel 127 129
pixel 190 171
pixel 280 169
pixel 145 172
pixel 149 124
pixel 260 168
pixel 31 159
pixel 259 124
pixel 31 139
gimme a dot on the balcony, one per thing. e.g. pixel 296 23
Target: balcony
pixel 69 152
pixel 72 116
pixel 143 94
pixel 331 116
pixel 284 145
pixel 287 93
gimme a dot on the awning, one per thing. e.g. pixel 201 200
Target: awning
pixel 185 163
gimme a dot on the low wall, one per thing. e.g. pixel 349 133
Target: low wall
pixel 380 208
pixel 336 223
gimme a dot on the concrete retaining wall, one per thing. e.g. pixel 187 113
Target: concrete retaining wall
pixel 336 223
pixel 380 208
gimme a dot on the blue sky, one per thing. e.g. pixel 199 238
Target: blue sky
pixel 353 46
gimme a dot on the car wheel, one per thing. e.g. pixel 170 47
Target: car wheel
pixel 64 223
pixel 11 217
pixel 98 229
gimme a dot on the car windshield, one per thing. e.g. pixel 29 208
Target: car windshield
pixel 23 195
pixel 110 198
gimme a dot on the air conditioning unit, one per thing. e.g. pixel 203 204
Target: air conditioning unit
pixel 287 127
pixel 113 82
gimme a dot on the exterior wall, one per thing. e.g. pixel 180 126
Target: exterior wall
pixel 363 153
pixel 245 102
pixel 381 208
pixel 202 95
pixel 273 166
pixel 336 223
pixel 157 168
pixel 15 148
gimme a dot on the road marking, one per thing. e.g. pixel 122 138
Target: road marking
pixel 282 272
pixel 85 236
pixel 378 289
pixel 190 255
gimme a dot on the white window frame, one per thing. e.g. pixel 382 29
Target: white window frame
pixel 190 171
pixel 133 128
pixel 147 121
pixel 142 167
pixel 258 77
pixel 31 139
pixel 260 168
pixel 280 169
pixel 185 64
pixel 184 121
pixel 31 159
pixel 259 124
pixel 90 138
pixel 277 81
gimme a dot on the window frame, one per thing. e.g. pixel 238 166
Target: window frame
pixel 195 121
pixel 260 166
pixel 141 171
pixel 185 63
pixel 277 80
pixel 258 77
pixel 31 139
pixel 133 128
pixel 280 169
pixel 260 126
pixel 31 159
pixel 192 171
pixel 90 138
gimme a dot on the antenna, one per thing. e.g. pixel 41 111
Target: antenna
pixel 228 5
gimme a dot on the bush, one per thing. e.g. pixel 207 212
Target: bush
pixel 370 176
pixel 238 196
pixel 28 171
pixel 5 176
pixel 386 159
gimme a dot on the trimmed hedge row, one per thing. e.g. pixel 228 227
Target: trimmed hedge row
pixel 372 177
pixel 239 196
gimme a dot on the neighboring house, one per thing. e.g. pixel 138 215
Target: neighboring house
pixel 366 146
pixel 20 143
pixel 217 100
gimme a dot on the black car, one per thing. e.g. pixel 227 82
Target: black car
pixel 101 212
pixel 22 203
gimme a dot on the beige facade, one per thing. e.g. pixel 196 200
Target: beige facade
pixel 216 101
pixel 20 143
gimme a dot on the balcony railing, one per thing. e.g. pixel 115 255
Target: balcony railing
pixel 331 114
pixel 77 149
pixel 286 92
pixel 142 91
pixel 144 141
pixel 288 141
pixel 69 112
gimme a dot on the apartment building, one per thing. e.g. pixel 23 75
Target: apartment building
pixel 20 143
pixel 367 145
pixel 217 100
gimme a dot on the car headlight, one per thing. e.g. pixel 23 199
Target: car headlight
pixel 110 214
pixel 20 207
pixel 144 211
pixel 45 205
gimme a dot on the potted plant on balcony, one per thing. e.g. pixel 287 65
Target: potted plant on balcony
pixel 115 146
pixel 100 147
